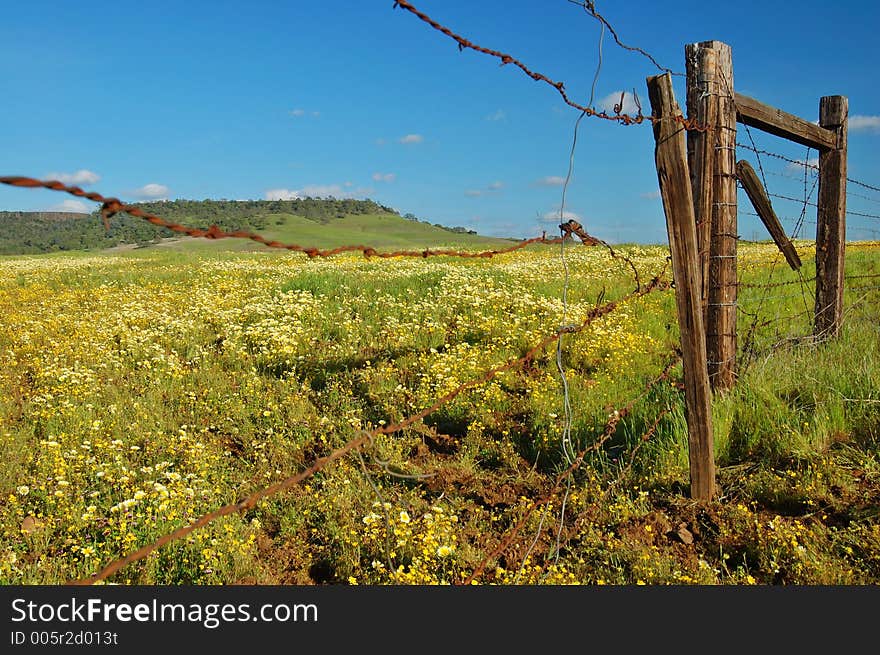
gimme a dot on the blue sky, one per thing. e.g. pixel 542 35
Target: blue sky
pixel 144 100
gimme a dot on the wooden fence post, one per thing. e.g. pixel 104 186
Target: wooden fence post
pixel 723 284
pixel 702 105
pixel 831 219
pixel 670 155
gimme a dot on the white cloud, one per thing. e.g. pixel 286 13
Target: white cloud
pixel 494 187
pixel 322 190
pixel 282 194
pixel 650 195
pixel 411 139
pixel 151 192
pixel 629 103
pixel 82 176
pixel 318 191
pixel 384 177
pixel 299 113
pixel 76 206
pixel 553 217
pixel 551 180
pixel 498 115
pixel 867 123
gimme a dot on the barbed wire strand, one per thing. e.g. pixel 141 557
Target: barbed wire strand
pixel 621 118
pixel 112 206
pixel 567 413
pixel 805 164
pixel 747 354
pixel 590 8
pixel 568 416
pixel 741 365
pixel 646 436
pixel 849 192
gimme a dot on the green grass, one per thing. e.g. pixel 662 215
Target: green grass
pixel 213 374
pixel 380 231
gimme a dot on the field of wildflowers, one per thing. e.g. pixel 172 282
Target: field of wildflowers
pixel 139 391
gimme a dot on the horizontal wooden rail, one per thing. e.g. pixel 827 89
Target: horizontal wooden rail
pixel 756 114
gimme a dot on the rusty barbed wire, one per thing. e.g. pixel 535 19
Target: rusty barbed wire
pixel 111 206
pixel 590 8
pixel 365 437
pixel 646 436
pixel 690 124
pixel 572 227
pixel 608 431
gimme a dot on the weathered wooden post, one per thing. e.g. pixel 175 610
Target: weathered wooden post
pixel 702 105
pixel 752 186
pixel 678 204
pixel 723 283
pixel 831 219
pixel 712 157
pixel 711 97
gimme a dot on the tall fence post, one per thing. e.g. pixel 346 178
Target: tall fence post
pixel 721 312
pixel 831 219
pixel 702 105
pixel 670 155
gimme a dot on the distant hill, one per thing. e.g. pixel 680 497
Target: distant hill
pixel 308 221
